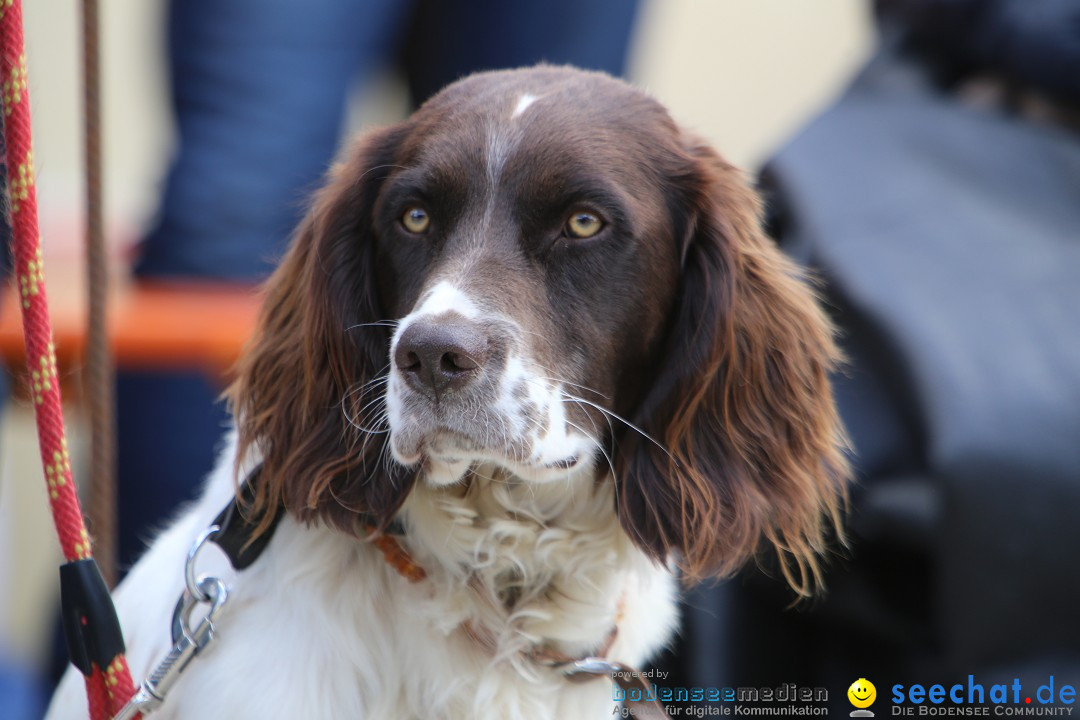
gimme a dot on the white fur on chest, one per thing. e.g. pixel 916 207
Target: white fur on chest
pixel 321 626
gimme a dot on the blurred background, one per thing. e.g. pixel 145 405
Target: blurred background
pixel 920 155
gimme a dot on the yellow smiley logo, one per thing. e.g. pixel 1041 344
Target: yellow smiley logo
pixel 862 693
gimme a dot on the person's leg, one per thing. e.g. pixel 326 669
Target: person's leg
pixel 450 40
pixel 259 89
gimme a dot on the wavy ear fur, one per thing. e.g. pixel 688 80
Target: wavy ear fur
pixel 314 363
pixel 742 401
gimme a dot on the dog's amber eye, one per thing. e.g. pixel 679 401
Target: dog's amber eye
pixel 416 220
pixel 583 225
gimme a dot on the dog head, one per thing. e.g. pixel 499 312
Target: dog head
pixel 540 270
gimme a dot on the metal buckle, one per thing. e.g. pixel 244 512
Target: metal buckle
pixel 585 669
pixel 188 643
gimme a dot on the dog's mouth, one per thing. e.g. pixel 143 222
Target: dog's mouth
pixel 440 444
pixel 446 455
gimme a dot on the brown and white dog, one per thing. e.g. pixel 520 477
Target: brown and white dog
pixel 539 326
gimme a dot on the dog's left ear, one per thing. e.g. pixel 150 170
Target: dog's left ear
pixel 308 392
pixel 753 448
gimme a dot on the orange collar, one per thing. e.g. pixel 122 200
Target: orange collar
pixel 396 556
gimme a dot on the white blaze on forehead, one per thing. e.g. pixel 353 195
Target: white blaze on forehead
pixel 503 136
pixel 523 104
pixel 500 143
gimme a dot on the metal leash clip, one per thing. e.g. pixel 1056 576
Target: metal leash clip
pixel 188 643
pixel 588 668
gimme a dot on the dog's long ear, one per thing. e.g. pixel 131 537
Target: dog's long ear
pixel 753 448
pixel 308 395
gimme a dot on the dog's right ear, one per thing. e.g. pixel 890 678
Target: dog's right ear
pixel 753 450
pixel 307 392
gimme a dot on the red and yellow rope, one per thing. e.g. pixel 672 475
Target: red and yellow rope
pixel 107 688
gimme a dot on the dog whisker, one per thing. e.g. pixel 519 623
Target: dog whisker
pixel 624 421
pixel 376 323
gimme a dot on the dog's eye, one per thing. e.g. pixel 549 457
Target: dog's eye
pixel 416 220
pixel 583 225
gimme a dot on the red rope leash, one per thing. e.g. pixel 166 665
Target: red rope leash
pixel 110 687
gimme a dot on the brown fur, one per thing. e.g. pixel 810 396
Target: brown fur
pixel 743 402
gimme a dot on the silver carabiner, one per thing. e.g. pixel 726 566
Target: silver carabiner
pixel 190 580
pixel 187 643
pixel 217 593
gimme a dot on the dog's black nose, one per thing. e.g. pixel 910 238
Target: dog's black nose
pixel 440 357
